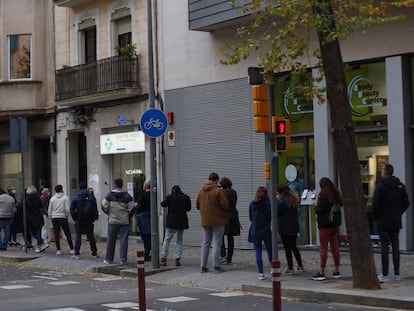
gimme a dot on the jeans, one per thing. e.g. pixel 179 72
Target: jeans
pixel 88 230
pixel 4 226
pixel 387 237
pixel 64 224
pixel 258 251
pixel 113 232
pixel 212 235
pixel 37 234
pixel 329 236
pixel 169 234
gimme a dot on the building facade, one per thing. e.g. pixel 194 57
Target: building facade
pixel 212 107
pixel 27 94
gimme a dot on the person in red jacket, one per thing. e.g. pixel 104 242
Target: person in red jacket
pixel 213 204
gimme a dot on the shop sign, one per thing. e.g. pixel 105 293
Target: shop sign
pixel 122 142
pixel 363 94
pixel 133 171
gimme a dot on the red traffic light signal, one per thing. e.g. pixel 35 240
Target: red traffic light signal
pixel 281 128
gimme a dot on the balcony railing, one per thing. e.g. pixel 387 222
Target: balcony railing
pixel 113 73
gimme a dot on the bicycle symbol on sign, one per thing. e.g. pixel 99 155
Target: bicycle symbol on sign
pixel 153 123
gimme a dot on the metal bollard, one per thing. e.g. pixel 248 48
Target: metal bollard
pixel 276 289
pixel 141 281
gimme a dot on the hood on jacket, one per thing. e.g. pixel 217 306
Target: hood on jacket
pixel 209 185
pixel 392 183
pixel 59 195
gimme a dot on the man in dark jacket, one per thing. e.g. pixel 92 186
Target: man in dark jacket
pixel 178 205
pixel 84 224
pixel 390 201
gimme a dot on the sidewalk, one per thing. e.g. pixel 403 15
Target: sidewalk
pixel 240 275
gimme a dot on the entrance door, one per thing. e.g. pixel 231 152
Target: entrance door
pixel 78 171
pixel 42 168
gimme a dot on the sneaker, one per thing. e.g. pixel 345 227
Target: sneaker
pixel 204 270
pixel 397 278
pixel 300 269
pixel 318 277
pixel 223 261
pixel 336 275
pixel 218 270
pixel 37 250
pixel 123 262
pixel 288 271
pixel 261 277
pixel 383 278
pixel 95 256
pixel 58 252
pixel 43 246
pixel 76 257
pixel 72 251
pixel 106 262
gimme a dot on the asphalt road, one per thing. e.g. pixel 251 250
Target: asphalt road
pixel 24 288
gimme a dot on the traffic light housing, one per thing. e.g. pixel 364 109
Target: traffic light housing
pixel 261 113
pixel 281 128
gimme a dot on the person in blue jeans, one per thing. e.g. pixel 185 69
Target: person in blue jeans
pixel 143 219
pixel 119 206
pixel 7 210
pixel 260 215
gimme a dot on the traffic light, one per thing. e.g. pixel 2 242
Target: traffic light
pixel 261 108
pixel 281 128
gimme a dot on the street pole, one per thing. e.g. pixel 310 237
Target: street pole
pixel 271 157
pixel 153 166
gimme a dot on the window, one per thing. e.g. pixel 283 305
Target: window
pixel 122 34
pixel 20 59
pixel 90 45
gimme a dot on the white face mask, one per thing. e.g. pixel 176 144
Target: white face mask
pixel 13 191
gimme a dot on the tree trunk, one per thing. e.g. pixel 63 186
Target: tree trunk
pixel 362 260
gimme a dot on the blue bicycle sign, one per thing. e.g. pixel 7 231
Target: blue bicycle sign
pixel 153 122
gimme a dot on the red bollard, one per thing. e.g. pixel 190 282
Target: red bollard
pixel 276 289
pixel 141 281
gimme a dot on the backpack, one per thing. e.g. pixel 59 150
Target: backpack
pixel 335 217
pixel 84 209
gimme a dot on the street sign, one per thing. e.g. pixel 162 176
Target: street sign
pixel 153 123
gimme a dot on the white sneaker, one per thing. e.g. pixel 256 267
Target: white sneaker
pixel 44 246
pixel 58 252
pixel 383 278
pixel 72 251
pixel 261 277
pixel 397 278
pixel 37 250
pixel 76 257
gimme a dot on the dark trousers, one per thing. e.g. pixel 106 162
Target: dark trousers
pixel 64 224
pixel 289 243
pixel 230 248
pixel 86 228
pixel 146 239
pixel 387 237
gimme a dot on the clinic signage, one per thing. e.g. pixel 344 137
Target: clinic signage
pixel 122 142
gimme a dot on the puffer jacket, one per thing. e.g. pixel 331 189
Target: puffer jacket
pixel 7 206
pixel 59 206
pixel 212 204
pixel 119 206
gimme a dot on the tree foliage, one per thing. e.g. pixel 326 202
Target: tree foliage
pixel 295 35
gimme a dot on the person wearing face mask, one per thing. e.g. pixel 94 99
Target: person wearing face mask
pixel 17 222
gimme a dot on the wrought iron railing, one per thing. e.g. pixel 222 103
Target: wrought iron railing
pixel 103 75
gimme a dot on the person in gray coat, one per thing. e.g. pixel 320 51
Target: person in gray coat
pixel 119 206
pixel 7 210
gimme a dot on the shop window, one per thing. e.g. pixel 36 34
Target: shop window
pixel 20 58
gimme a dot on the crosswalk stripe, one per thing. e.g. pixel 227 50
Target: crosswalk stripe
pixel 65 309
pixel 44 277
pixel 227 294
pixel 16 286
pixel 177 299
pixel 63 283
pixel 106 279
pixel 120 305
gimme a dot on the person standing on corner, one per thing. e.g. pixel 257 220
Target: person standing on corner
pixel 59 211
pixel 119 206
pixel 389 202
pixel 178 204
pixel 328 233
pixel 84 212
pixel 260 215
pixel 7 212
pixel 34 217
pixel 213 205
pixel 232 227
pixel 288 224
pixel 45 198
pixel 143 219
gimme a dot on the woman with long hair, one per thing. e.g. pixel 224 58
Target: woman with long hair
pixel 260 215
pixel 287 215
pixel 328 233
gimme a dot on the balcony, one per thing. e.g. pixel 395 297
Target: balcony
pixel 70 3
pixel 107 79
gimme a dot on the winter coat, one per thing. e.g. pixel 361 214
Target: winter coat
pixel 178 206
pixel 7 206
pixel 34 211
pixel 74 204
pixel 212 203
pixel 233 223
pixel 260 214
pixel 389 202
pixel 119 206
pixel 59 206
pixel 287 218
